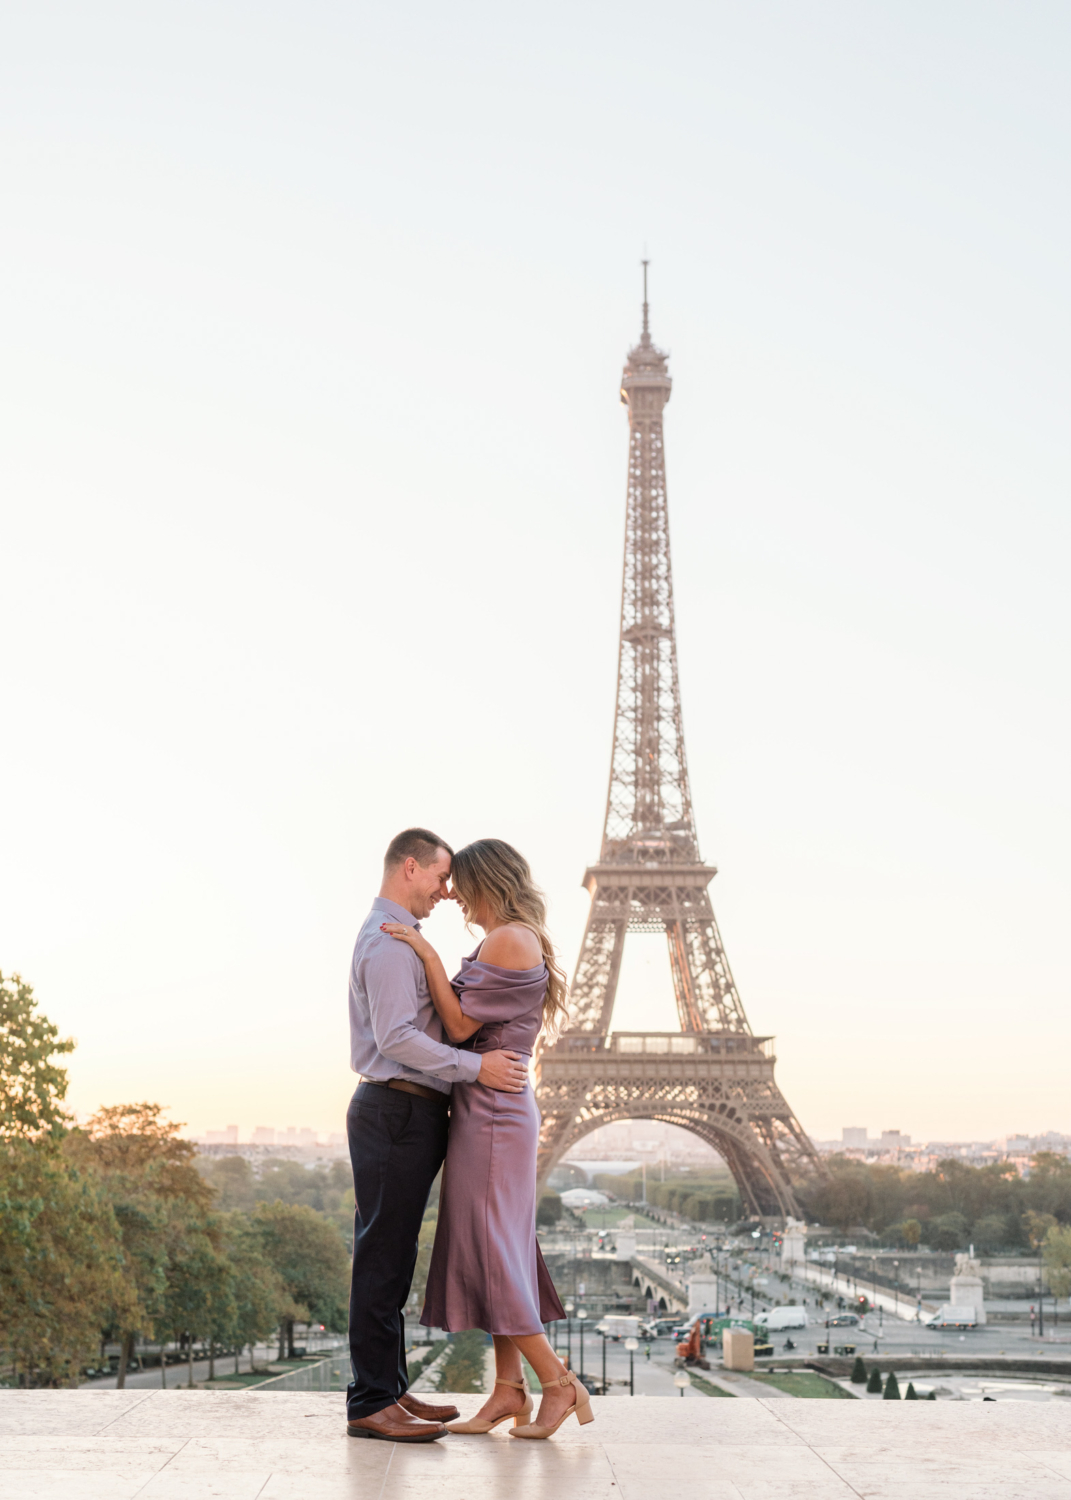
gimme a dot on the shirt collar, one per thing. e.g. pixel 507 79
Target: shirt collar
pixel 395 912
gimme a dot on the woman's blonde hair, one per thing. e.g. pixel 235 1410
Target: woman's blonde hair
pixel 491 874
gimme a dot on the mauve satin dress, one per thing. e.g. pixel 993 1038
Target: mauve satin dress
pixel 487 1270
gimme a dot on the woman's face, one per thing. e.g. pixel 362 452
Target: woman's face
pixel 473 909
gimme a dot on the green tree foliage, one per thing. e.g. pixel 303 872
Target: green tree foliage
pixel 707 1197
pixel 1056 1255
pixel 911 1394
pixel 327 1188
pixel 308 1253
pixel 32 1085
pixel 258 1294
pixel 892 1388
pixel 61 1263
pixel 462 1369
pixel 858 1376
pixel 549 1210
pixel 1037 1227
pixel 873 1385
pixel 161 1204
pixel 949 1232
pixel 949 1208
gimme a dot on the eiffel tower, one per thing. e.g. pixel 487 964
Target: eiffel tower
pixel 713 1077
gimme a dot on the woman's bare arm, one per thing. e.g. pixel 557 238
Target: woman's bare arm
pixel 456 1024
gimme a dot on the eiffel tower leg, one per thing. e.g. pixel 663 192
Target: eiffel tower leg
pixel 683 982
pixel 716 999
pixel 598 968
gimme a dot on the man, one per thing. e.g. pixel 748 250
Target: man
pixel 398 1121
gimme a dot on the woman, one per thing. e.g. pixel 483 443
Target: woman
pixel 486 1267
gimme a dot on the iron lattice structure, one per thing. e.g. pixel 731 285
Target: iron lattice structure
pixel 714 1077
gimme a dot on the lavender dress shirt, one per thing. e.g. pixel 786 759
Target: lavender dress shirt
pixel 395 1031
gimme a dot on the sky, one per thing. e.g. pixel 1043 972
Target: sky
pixel 313 506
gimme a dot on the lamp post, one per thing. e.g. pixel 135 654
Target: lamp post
pixel 682 1380
pixel 569 1332
pixel 581 1315
pixel 896 1287
pixel 631 1345
pixel 603 1363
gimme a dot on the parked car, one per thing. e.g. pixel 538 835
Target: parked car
pixel 844 1320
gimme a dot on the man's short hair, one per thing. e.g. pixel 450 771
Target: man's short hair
pixel 415 843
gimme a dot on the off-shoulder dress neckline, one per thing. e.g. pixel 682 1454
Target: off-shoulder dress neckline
pixel 474 958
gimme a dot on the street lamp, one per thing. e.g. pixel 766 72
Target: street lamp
pixel 682 1380
pixel 581 1314
pixel 631 1345
pixel 569 1306
pixel 896 1287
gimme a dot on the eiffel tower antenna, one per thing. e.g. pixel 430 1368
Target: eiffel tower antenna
pixel 714 1076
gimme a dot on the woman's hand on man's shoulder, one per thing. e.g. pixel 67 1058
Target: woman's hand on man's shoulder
pixel 512 947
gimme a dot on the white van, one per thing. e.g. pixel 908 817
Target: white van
pixel 781 1317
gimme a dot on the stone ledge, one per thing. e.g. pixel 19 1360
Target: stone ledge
pixel 182 1445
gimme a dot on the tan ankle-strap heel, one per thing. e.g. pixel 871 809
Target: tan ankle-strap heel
pixel 482 1424
pixel 581 1406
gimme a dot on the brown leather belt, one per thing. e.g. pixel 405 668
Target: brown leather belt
pixel 404 1086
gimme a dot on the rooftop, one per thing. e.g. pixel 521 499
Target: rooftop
pixel 185 1445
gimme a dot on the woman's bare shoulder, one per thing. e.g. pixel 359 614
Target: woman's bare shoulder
pixel 512 947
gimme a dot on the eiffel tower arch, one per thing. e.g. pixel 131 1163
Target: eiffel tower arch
pixel 714 1077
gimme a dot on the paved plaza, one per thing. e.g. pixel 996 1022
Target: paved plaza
pixel 198 1445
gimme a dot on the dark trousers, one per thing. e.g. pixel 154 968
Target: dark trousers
pixel 397 1144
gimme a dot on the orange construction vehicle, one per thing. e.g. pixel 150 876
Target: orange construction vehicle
pixel 691 1351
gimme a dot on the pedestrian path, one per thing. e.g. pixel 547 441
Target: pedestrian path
pixel 184 1445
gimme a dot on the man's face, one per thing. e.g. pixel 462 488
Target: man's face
pixel 428 884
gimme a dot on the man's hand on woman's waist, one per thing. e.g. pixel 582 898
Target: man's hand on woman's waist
pixel 505 1071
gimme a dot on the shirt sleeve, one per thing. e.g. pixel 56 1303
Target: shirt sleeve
pixel 389 976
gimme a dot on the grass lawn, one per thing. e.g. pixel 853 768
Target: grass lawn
pixel 609 1218
pixel 707 1388
pixel 804 1383
pixel 462 1369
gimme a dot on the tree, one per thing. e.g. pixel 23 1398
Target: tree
pixel 160 1203
pixel 911 1232
pixel 233 1180
pixel 858 1376
pixel 911 1394
pixel 892 1388
pixel 310 1257
pixel 1037 1227
pixel 258 1293
pixel 990 1233
pixel 1056 1253
pixel 948 1232
pixel 550 1209
pixel 873 1385
pixel 61 1263
pixel 32 1085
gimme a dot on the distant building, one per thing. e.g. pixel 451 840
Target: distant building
pixel 853 1137
pixel 894 1140
pixel 264 1135
pixel 228 1136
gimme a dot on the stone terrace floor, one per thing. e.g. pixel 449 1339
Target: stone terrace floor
pixel 185 1445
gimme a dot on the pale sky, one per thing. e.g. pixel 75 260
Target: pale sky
pixel 313 504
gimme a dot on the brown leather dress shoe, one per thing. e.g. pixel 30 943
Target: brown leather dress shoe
pixel 425 1411
pixel 394 1425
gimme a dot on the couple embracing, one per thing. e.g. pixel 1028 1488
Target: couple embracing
pixel 444 1079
